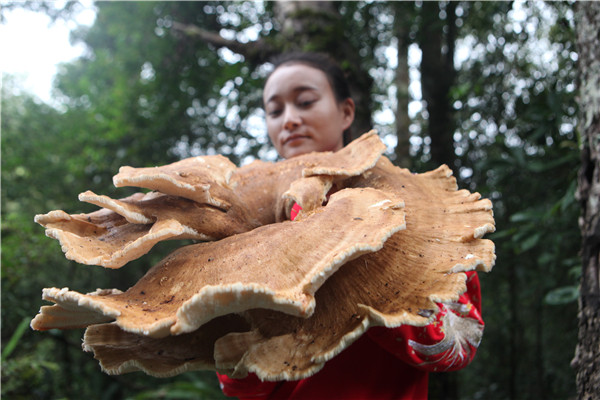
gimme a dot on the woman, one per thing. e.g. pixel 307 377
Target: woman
pixel 309 108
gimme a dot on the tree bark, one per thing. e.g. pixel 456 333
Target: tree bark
pixel 587 355
pixel 402 33
pixel 436 40
pixel 437 77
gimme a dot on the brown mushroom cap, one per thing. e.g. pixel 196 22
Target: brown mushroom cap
pixel 205 202
pixel 164 357
pixel 100 238
pixel 377 289
pixel 310 192
pixel 199 282
pixel 202 179
pixel 128 228
pixel 261 185
pixel 442 239
pixel 305 289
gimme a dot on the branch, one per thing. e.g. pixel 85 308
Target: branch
pixel 256 52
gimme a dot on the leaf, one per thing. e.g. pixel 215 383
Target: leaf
pixel 562 295
pixel 14 340
pixel 525 216
pixel 530 242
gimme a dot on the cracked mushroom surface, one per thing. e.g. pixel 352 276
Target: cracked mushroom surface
pixel 199 282
pixel 202 179
pixel 381 251
pixel 390 294
pixel 202 198
pixel 376 289
pixel 126 229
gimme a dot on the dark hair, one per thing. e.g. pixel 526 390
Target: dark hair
pixel 322 62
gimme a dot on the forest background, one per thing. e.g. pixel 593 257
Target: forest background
pixel 489 89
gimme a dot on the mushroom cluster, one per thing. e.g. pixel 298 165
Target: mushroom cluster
pixel 373 245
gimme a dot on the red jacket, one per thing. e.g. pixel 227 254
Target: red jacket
pixel 385 363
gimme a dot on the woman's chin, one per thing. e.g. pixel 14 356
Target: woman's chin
pixel 298 147
pixel 304 145
pixel 293 153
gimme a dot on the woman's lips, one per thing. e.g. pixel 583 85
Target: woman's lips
pixel 293 139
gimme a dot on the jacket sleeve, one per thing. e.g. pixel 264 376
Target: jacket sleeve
pixel 448 343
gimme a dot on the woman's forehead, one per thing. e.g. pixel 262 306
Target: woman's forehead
pixel 294 78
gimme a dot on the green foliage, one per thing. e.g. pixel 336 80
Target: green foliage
pixel 20 375
pixel 14 340
pixel 518 146
pixel 147 92
pixel 189 386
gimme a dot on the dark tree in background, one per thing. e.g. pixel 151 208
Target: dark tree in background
pixel 587 357
pixel 437 40
pixel 403 23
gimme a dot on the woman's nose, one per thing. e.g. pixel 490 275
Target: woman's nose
pixel 291 119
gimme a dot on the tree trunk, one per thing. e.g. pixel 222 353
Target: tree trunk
pixel 437 77
pixel 587 355
pixel 402 33
pixel 436 40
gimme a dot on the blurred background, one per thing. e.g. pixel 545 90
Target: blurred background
pixel 488 88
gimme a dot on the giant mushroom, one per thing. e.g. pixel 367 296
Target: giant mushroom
pixel 260 293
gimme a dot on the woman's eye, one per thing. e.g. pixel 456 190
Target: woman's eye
pixel 274 113
pixel 306 103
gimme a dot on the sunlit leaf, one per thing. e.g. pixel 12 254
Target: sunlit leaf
pixel 562 295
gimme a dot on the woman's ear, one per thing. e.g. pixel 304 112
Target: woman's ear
pixel 347 107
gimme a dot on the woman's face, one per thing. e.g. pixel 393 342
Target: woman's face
pixel 303 114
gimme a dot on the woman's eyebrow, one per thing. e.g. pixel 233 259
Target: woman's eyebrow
pixel 296 90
